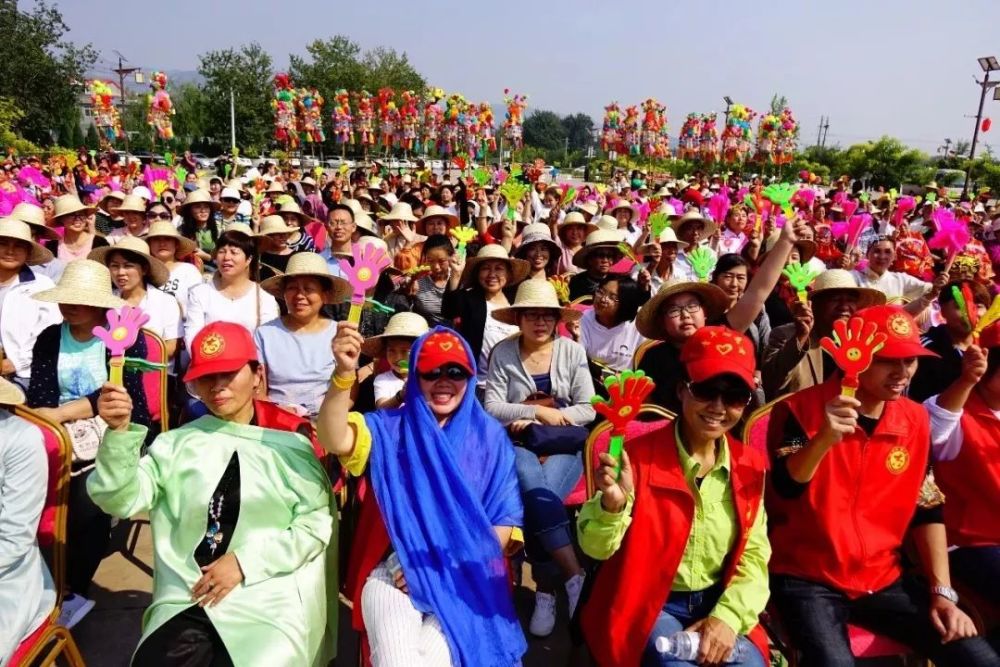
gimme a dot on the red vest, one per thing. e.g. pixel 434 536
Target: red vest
pixel 845 531
pixel 971 482
pixel 632 586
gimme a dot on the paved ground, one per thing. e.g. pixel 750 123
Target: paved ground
pixel 109 634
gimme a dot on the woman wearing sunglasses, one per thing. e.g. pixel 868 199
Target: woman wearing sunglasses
pixel 427 573
pixel 682 524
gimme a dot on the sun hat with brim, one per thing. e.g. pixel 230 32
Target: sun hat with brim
pixel 200 196
pixel 436 211
pixel 574 219
pixel 364 195
pixel 600 239
pixel 10 393
pixel 694 216
pixel 158 271
pixel 70 204
pixel 132 204
pixel 649 320
pixel 400 325
pixel 11 228
pixel 608 223
pixel 400 211
pixel 623 205
pixel 292 208
pixel 311 265
pixel 350 203
pixel 112 194
pixel 275 224
pixel 365 224
pixel 34 217
pixel 84 282
pixel 538 232
pixel 840 280
pixel 668 236
pixel 308 180
pixel 240 228
pixel 166 229
pixel 806 248
pixel 275 188
pixel 229 193
pixel 902 334
pixel 519 268
pixel 589 207
pixel 535 295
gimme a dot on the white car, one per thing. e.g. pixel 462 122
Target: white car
pixel 337 162
pixel 310 162
pixel 204 162
pixel 244 162
pixel 436 165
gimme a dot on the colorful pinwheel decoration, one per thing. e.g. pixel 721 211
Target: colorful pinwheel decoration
pixel 463 235
pixel 702 261
pixel 120 334
pixel 627 391
pixel 363 273
pixel 853 347
pixel 800 277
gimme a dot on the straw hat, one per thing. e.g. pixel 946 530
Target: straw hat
pixel 622 204
pixel 83 283
pixel 519 268
pixel 69 204
pixel 308 180
pixel 365 224
pixel 10 393
pixel 387 200
pixel 538 232
pixel 166 229
pixel 574 218
pixel 649 320
pixel 694 216
pixel 274 224
pixel 133 203
pixel 534 294
pixel 34 217
pixel 589 207
pixel 113 194
pixel 313 265
pixel 240 228
pixel 237 184
pixel 807 249
pixel 400 211
pixel 840 280
pixel 436 211
pixel 11 228
pixel 352 204
pixel 602 238
pixel 200 197
pixel 668 236
pixel 401 325
pixel 275 188
pixel 293 208
pixel 158 271
pixel 229 193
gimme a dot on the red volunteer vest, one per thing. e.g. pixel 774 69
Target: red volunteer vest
pixel 971 482
pixel 629 591
pixel 845 531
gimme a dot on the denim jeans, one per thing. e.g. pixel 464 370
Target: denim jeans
pixel 815 618
pixel 978 568
pixel 543 487
pixel 680 611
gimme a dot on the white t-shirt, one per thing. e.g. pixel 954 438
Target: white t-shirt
pixel 613 347
pixel 387 385
pixel 494 332
pixel 164 314
pixel 182 278
pixel 206 304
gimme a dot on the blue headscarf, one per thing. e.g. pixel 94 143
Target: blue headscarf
pixel 441 490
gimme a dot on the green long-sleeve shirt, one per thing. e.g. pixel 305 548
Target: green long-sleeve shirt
pixel 713 534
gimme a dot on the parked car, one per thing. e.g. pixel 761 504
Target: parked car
pixel 204 162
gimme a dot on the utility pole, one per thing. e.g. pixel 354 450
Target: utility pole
pixel 729 102
pixel 826 127
pixel 989 64
pixel 232 121
pixel 123 72
pixel 819 132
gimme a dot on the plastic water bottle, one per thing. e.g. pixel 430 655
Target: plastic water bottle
pixel 684 646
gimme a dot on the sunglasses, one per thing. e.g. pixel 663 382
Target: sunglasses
pixel 733 396
pixel 453 373
pixel 159 216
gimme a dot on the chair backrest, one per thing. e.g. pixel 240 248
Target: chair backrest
pixel 600 437
pixel 642 350
pixel 52 525
pixel 754 434
pixel 155 382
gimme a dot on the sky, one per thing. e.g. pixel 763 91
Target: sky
pixel 905 68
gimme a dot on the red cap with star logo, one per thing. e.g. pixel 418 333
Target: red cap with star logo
pixel 714 351
pixel 441 348
pixel 220 347
pixel 901 331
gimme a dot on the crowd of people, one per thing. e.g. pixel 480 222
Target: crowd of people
pixel 415 459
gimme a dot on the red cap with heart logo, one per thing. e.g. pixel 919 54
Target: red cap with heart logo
pixel 443 347
pixel 714 351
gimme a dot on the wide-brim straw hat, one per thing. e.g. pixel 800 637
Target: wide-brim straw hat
pixel 608 223
pixel 623 205
pixel 10 393
pixel 532 295
pixel 293 208
pixel 538 232
pixel 112 194
pixel 200 197
pixel 166 229
pixel 807 249
pixel 400 211
pixel 574 219
pixel 401 325
pixel 694 216
pixel 602 238
pixel 365 224
pixel 11 228
pixel 840 280
pixel 590 208
pixel 34 217
pixel 649 320
pixel 669 236
pixel 275 187
pixel 70 204
pixel 133 203
pixel 241 228
pixel 308 180
pixel 519 269
pixel 312 265
pixel 158 271
pixel 275 224
pixel 352 204
pixel 436 211
pixel 84 282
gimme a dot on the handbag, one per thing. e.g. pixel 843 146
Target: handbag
pixel 85 436
pixel 544 440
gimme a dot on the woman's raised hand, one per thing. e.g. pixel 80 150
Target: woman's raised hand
pixel 114 406
pixel 347 347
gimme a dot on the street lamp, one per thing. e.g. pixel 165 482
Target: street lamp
pixel 729 102
pixel 989 64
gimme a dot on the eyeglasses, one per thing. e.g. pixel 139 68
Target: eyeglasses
pixel 674 312
pixel 733 396
pixel 340 223
pixel 453 373
pixel 168 200
pixel 159 216
pixel 540 316
pixel 606 254
pixel 602 294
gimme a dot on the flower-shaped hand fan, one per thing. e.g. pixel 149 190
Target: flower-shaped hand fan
pixel 363 275
pixel 120 334
pixel 853 347
pixel 800 277
pixel 626 393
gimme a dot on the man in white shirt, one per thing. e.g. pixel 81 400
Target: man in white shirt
pixel 895 285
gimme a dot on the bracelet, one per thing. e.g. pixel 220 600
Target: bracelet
pixel 343 383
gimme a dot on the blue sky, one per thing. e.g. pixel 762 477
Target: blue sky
pixel 897 67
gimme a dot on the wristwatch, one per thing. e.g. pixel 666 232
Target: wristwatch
pixel 947 592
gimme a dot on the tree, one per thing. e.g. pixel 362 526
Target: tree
pixel 889 163
pixel 962 148
pixel 778 103
pixel 39 71
pixel 191 119
pixel 579 130
pixel 92 141
pixel 544 129
pixel 247 72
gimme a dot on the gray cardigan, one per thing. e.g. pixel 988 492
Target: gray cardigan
pixel 508 383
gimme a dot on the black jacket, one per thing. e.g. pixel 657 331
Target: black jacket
pixel 466 308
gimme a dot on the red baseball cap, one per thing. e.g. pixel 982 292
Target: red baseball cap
pixel 443 347
pixel 901 330
pixel 220 347
pixel 714 351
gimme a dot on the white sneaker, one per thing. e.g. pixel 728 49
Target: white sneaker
pixel 74 608
pixel 543 619
pixel 574 587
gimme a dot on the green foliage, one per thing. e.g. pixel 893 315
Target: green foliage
pixel 889 162
pixel 10 114
pixel 247 71
pixel 191 119
pixel 579 129
pixel 544 129
pixel 92 140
